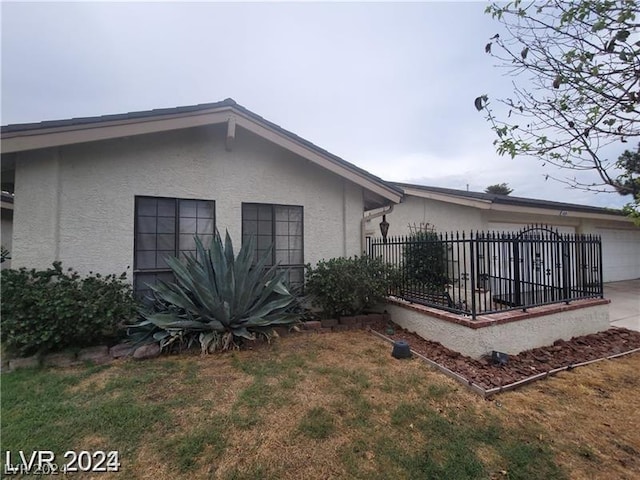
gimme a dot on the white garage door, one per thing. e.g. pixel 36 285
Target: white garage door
pixel 620 254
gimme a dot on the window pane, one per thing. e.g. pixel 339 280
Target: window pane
pixel 295 242
pixel 265 212
pixel 166 207
pixel 187 242
pixel 205 239
pixel 166 242
pixel 295 214
pixel 188 208
pixel 188 225
pixel 249 212
pixel 282 256
pixel 295 228
pixel 146 206
pixel 146 260
pixel 295 257
pixel 282 228
pixel 146 224
pixel 282 242
pixel 264 242
pixel 205 225
pixel 249 227
pixel 166 225
pixel 205 209
pixel 161 257
pixel 265 227
pixel 146 241
pixel 282 214
pixel 262 253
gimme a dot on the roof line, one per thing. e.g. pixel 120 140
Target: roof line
pixel 509 200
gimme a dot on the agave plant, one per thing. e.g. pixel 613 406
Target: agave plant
pixel 217 299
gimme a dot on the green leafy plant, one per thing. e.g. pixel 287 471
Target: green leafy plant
pixel 49 310
pixel 425 261
pixel 217 300
pixel 348 286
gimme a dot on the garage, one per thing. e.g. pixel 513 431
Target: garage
pixel 620 254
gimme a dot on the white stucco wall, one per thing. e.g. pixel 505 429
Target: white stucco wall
pixel 76 203
pixel 444 217
pixel 512 338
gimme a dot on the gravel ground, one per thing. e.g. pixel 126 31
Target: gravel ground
pixel 526 364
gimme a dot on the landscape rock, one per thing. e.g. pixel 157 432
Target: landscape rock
pixel 98 355
pixel 151 350
pixel 120 350
pixel 62 359
pixel 26 362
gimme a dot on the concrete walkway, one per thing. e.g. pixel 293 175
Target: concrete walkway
pixel 625 303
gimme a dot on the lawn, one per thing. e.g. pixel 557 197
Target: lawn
pixel 325 406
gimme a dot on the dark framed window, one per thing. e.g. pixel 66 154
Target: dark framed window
pixel 282 227
pixel 166 227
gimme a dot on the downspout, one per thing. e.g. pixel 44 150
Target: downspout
pixel 365 218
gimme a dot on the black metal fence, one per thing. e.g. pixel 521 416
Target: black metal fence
pixel 488 272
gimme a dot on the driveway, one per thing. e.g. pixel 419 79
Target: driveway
pixel 625 303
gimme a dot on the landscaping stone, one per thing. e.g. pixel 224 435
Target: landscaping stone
pixel 26 362
pixel 329 322
pixel 62 359
pixel 151 350
pixel 350 321
pixel 98 355
pixel 281 331
pixel 120 350
pixel 311 325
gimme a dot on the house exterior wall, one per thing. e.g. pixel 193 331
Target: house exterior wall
pixel 76 203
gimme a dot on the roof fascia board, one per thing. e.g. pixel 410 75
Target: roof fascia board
pixel 443 197
pixel 321 160
pixel 554 211
pixel 55 137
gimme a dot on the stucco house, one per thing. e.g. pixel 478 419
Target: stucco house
pixel 451 210
pixel 105 193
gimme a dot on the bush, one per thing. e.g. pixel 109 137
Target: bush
pixel 49 310
pixel 425 261
pixel 348 286
pixel 218 299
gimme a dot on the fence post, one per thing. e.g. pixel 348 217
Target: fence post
pixel 473 273
pixel 600 267
pixel 516 272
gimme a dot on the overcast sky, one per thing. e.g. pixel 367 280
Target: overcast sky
pixel 386 86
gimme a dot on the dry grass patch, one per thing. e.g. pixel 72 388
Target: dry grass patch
pixel 589 415
pixel 327 406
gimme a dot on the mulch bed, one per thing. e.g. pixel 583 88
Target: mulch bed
pixel 526 364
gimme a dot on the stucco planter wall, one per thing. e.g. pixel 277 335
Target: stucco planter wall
pixel 509 332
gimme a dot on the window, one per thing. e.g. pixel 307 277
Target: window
pixel 166 227
pixel 280 226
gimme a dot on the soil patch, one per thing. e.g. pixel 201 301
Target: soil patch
pixel 563 353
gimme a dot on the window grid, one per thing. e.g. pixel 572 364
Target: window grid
pixel 282 226
pixel 165 227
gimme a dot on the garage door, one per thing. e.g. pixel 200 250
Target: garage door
pixel 620 254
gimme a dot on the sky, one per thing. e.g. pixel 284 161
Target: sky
pixel 387 86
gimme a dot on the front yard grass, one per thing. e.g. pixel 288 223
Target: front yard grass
pixel 325 406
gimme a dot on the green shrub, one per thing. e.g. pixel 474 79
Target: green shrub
pixel 348 286
pixel 425 261
pixel 217 299
pixel 49 310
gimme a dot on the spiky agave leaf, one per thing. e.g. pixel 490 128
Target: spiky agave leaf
pixel 218 297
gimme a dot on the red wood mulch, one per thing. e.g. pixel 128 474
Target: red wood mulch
pixel 526 364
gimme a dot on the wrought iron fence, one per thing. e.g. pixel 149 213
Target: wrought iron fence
pixel 488 272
